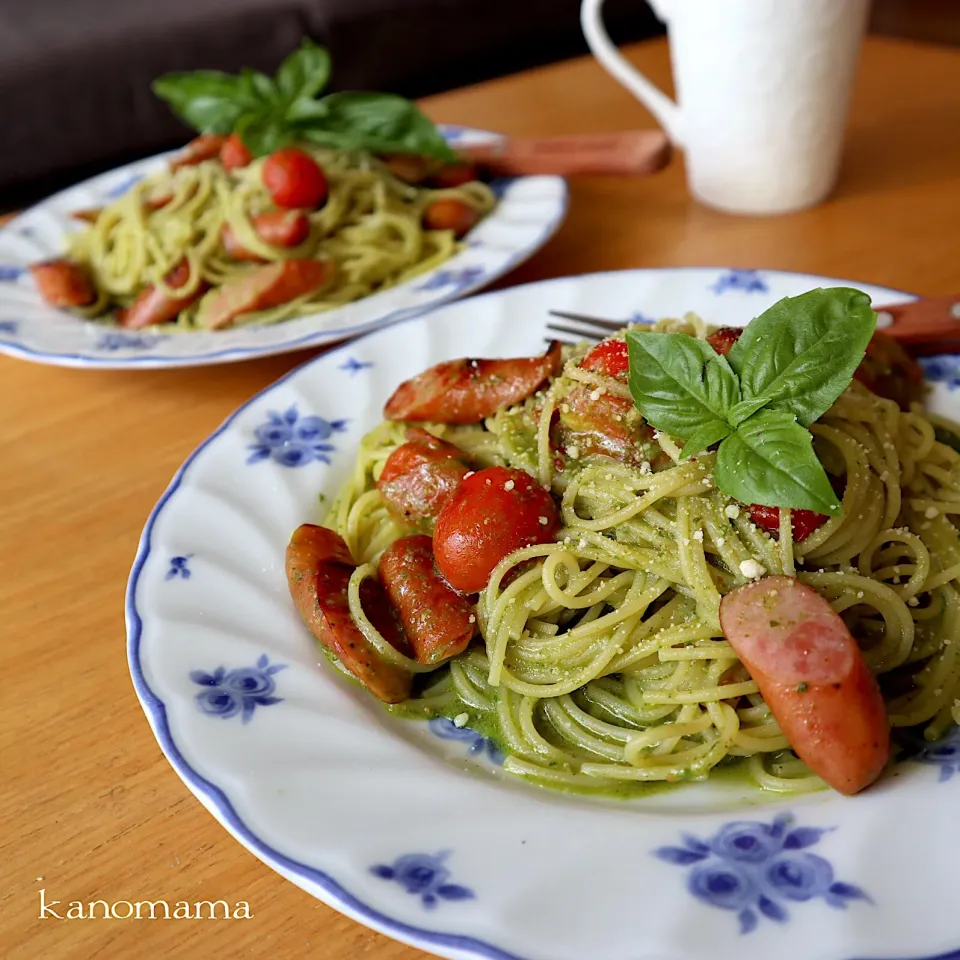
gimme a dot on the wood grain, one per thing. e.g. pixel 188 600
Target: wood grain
pixel 91 808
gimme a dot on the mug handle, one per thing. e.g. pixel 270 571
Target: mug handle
pixel 665 110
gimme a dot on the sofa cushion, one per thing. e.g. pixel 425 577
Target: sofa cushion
pixel 75 74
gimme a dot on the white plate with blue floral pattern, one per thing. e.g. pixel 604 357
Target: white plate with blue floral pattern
pixel 528 212
pixel 412 828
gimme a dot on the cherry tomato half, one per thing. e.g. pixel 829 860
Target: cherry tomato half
pixel 722 340
pixel 802 522
pixel 234 153
pixel 609 358
pixel 294 179
pixel 494 512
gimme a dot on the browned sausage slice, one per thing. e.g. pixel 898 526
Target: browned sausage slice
pixel 467 391
pixel 319 567
pixel 205 147
pixel 438 621
pixel 813 676
pixel 63 283
pixel 262 288
pixel 420 476
pixel 153 306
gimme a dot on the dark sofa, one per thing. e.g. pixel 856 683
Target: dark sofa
pixel 75 74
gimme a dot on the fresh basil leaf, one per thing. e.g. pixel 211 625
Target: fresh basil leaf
pixel 802 353
pixel 208 100
pixel 705 436
pixel 259 88
pixel 305 110
pixel 678 382
pixel 263 133
pixel 385 123
pixel 304 73
pixel 745 408
pixel 770 460
pixel 333 139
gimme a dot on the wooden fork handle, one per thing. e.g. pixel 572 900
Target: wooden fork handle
pixel 629 153
pixel 931 324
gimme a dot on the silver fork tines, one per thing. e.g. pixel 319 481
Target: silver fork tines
pixel 594 328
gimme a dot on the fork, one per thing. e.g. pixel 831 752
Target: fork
pixel 926 326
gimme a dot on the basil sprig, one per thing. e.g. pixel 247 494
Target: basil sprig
pixel 786 370
pixel 269 113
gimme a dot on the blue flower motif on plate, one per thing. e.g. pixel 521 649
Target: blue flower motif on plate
pixel 446 729
pixel 8 326
pixel 746 281
pixel 425 876
pixel 179 567
pixel 452 132
pixel 123 186
pixel 463 277
pixel 638 317
pixel 117 340
pixel 353 366
pixel 292 440
pixel 943 369
pixel 500 185
pixel 752 867
pixel 9 273
pixel 242 690
pixel 943 753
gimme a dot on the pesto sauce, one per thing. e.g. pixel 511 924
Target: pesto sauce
pixel 948 437
pixel 731 770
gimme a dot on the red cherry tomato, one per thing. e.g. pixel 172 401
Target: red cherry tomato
pixel 234 153
pixel 294 179
pixel 609 358
pixel 803 522
pixel 450 214
pixel 494 512
pixel 722 340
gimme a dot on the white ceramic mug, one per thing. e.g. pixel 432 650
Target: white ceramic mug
pixel 763 88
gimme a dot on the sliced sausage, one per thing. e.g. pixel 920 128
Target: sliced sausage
pixel 467 391
pixel 63 283
pixel 153 306
pixel 263 287
pixel 438 621
pixel 449 213
pixel 420 477
pixel 452 175
pixel 279 228
pixel 813 677
pixel 889 371
pixel 591 421
pixel 409 167
pixel 91 214
pixel 319 567
pixel 205 147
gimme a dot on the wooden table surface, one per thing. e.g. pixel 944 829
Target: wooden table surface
pixel 90 807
